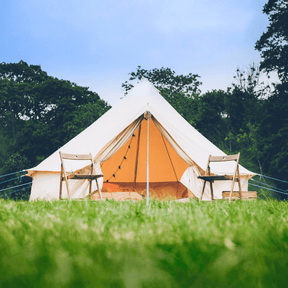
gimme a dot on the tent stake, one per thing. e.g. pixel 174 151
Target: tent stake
pixel 147 159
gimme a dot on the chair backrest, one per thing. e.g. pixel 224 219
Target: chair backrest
pixel 76 157
pixel 224 158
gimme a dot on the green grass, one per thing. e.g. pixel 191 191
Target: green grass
pixel 126 244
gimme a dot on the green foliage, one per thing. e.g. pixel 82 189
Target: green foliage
pixel 244 104
pixel 274 133
pixel 165 79
pixel 40 113
pixel 15 163
pixel 126 244
pixel 248 142
pixel 273 44
pixel 244 100
pixel 210 117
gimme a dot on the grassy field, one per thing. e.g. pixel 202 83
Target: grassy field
pixel 126 244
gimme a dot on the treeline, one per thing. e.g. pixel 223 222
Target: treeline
pixel 40 113
pixel 244 118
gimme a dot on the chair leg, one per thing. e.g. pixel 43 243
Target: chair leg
pixel 212 194
pixel 204 184
pixel 100 193
pixel 90 188
pixel 60 191
pixel 99 189
pixel 239 185
pixel 240 191
pixel 67 187
pixel 231 190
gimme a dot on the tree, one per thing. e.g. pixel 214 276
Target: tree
pixel 15 163
pixel 210 117
pixel 165 79
pixel 223 116
pixel 245 98
pixel 273 44
pixel 274 134
pixel 39 113
pixel 244 108
pixel 212 113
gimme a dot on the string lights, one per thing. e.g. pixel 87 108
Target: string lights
pixel 124 158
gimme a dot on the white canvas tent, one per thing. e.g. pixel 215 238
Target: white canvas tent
pixel 118 143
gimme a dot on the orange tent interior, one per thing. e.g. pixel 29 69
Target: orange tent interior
pixel 126 170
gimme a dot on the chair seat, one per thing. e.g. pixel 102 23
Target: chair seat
pixel 212 178
pixel 84 176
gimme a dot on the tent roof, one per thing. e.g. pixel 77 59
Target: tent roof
pixel 143 97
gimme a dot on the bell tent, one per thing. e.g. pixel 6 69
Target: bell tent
pixel 142 131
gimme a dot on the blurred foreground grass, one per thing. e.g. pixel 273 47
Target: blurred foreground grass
pixel 126 244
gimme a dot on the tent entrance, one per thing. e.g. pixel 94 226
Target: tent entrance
pixel 126 169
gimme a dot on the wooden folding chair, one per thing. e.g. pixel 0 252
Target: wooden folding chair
pixel 211 178
pixel 64 176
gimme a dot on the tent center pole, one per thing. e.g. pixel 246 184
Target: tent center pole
pixel 147 159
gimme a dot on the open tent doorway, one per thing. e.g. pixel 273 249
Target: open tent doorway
pixel 126 170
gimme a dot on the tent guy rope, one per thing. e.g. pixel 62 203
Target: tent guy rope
pixel 1 176
pixel 263 186
pixel 261 175
pixel 19 177
pixel 26 184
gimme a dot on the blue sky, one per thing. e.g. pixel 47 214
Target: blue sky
pixel 97 43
